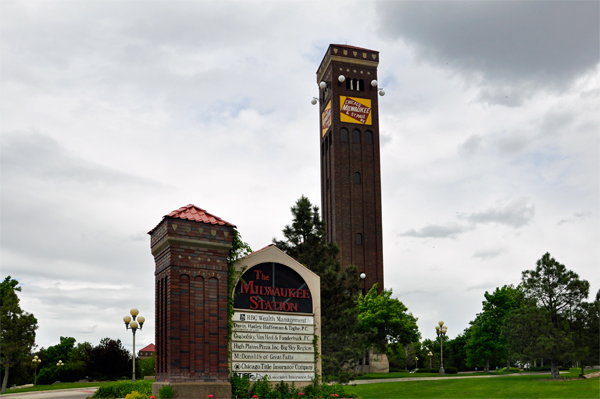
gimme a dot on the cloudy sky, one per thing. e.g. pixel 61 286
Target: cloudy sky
pixel 116 113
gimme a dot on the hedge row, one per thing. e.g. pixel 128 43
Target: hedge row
pixel 121 389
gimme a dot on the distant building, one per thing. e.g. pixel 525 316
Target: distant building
pixel 147 352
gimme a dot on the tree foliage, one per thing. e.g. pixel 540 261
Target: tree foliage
pixel 542 327
pixel 17 329
pixel 385 320
pixel 486 342
pixel 306 241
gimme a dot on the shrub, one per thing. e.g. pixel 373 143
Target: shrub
pixel 240 386
pixel 135 395
pixel 451 370
pixel 121 389
pixel 426 371
pixel 166 392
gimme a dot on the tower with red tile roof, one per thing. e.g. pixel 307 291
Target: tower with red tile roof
pixel 350 165
pixel 190 248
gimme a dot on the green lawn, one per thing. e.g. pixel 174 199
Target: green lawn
pixel 64 385
pixel 517 386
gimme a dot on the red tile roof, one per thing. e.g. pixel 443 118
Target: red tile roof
pixel 192 212
pixel 149 348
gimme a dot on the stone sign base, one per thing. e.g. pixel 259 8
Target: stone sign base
pixel 188 390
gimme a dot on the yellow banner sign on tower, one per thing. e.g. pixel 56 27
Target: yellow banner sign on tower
pixel 355 110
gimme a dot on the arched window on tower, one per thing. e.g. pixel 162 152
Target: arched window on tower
pixel 361 85
pixel 358 239
pixel 356 178
pixel 356 136
pixel 344 134
pixel 368 137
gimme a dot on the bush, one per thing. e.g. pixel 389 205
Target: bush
pixel 561 368
pixel 240 386
pixel 166 392
pixel 122 388
pixel 135 395
pixel 451 370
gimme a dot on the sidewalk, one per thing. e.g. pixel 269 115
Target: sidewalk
pixel 82 389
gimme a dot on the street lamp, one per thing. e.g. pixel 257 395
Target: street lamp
pixel 416 363
pixel 133 326
pixel 363 277
pixel 60 363
pixel 430 356
pixel 441 332
pixel 35 362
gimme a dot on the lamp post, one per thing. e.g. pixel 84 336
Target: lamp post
pixel 133 326
pixel 441 332
pixel 430 356
pixel 363 277
pixel 36 360
pixel 60 363
pixel 416 363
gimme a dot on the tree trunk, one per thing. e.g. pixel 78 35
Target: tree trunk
pixel 554 369
pixel 5 379
pixel 507 364
pixel 534 362
pixel 487 364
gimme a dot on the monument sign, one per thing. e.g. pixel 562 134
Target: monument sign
pixel 276 324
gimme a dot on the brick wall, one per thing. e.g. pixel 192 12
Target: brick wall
pixel 191 300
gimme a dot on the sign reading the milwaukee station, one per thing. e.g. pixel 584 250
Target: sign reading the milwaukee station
pixel 275 328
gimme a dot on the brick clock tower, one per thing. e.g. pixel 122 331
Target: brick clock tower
pixel 350 166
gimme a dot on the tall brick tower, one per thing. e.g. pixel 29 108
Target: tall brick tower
pixel 350 166
pixel 190 248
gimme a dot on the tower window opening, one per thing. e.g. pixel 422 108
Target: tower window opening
pixel 358 239
pixel 356 178
pixel 330 140
pixel 344 134
pixel 349 85
pixel 368 137
pixel 356 136
pixel 361 85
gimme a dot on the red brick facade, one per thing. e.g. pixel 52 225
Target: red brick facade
pixel 350 169
pixel 191 300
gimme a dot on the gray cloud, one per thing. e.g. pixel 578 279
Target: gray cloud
pixel 450 230
pixel 516 213
pixel 576 216
pixel 489 253
pixel 471 145
pixel 512 49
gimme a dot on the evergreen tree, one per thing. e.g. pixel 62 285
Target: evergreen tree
pixel 306 241
pixel 17 329
pixel 542 327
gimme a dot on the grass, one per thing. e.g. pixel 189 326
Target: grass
pixel 511 386
pixel 62 385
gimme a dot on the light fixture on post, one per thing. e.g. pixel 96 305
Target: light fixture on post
pixel 314 100
pixel 374 83
pixel 36 360
pixel 341 78
pixel 323 85
pixel 133 326
pixel 441 330
pixel 381 92
pixel 60 363
pixel 363 277
pixel 416 363
pixel 430 356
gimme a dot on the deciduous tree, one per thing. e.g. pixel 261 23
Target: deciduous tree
pixel 17 329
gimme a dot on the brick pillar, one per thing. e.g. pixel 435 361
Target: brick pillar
pixel 191 304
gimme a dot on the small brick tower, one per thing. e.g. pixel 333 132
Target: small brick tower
pixel 350 166
pixel 190 249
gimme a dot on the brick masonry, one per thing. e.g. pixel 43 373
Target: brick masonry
pixel 351 208
pixel 191 301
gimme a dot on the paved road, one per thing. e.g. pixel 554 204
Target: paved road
pixel 76 393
